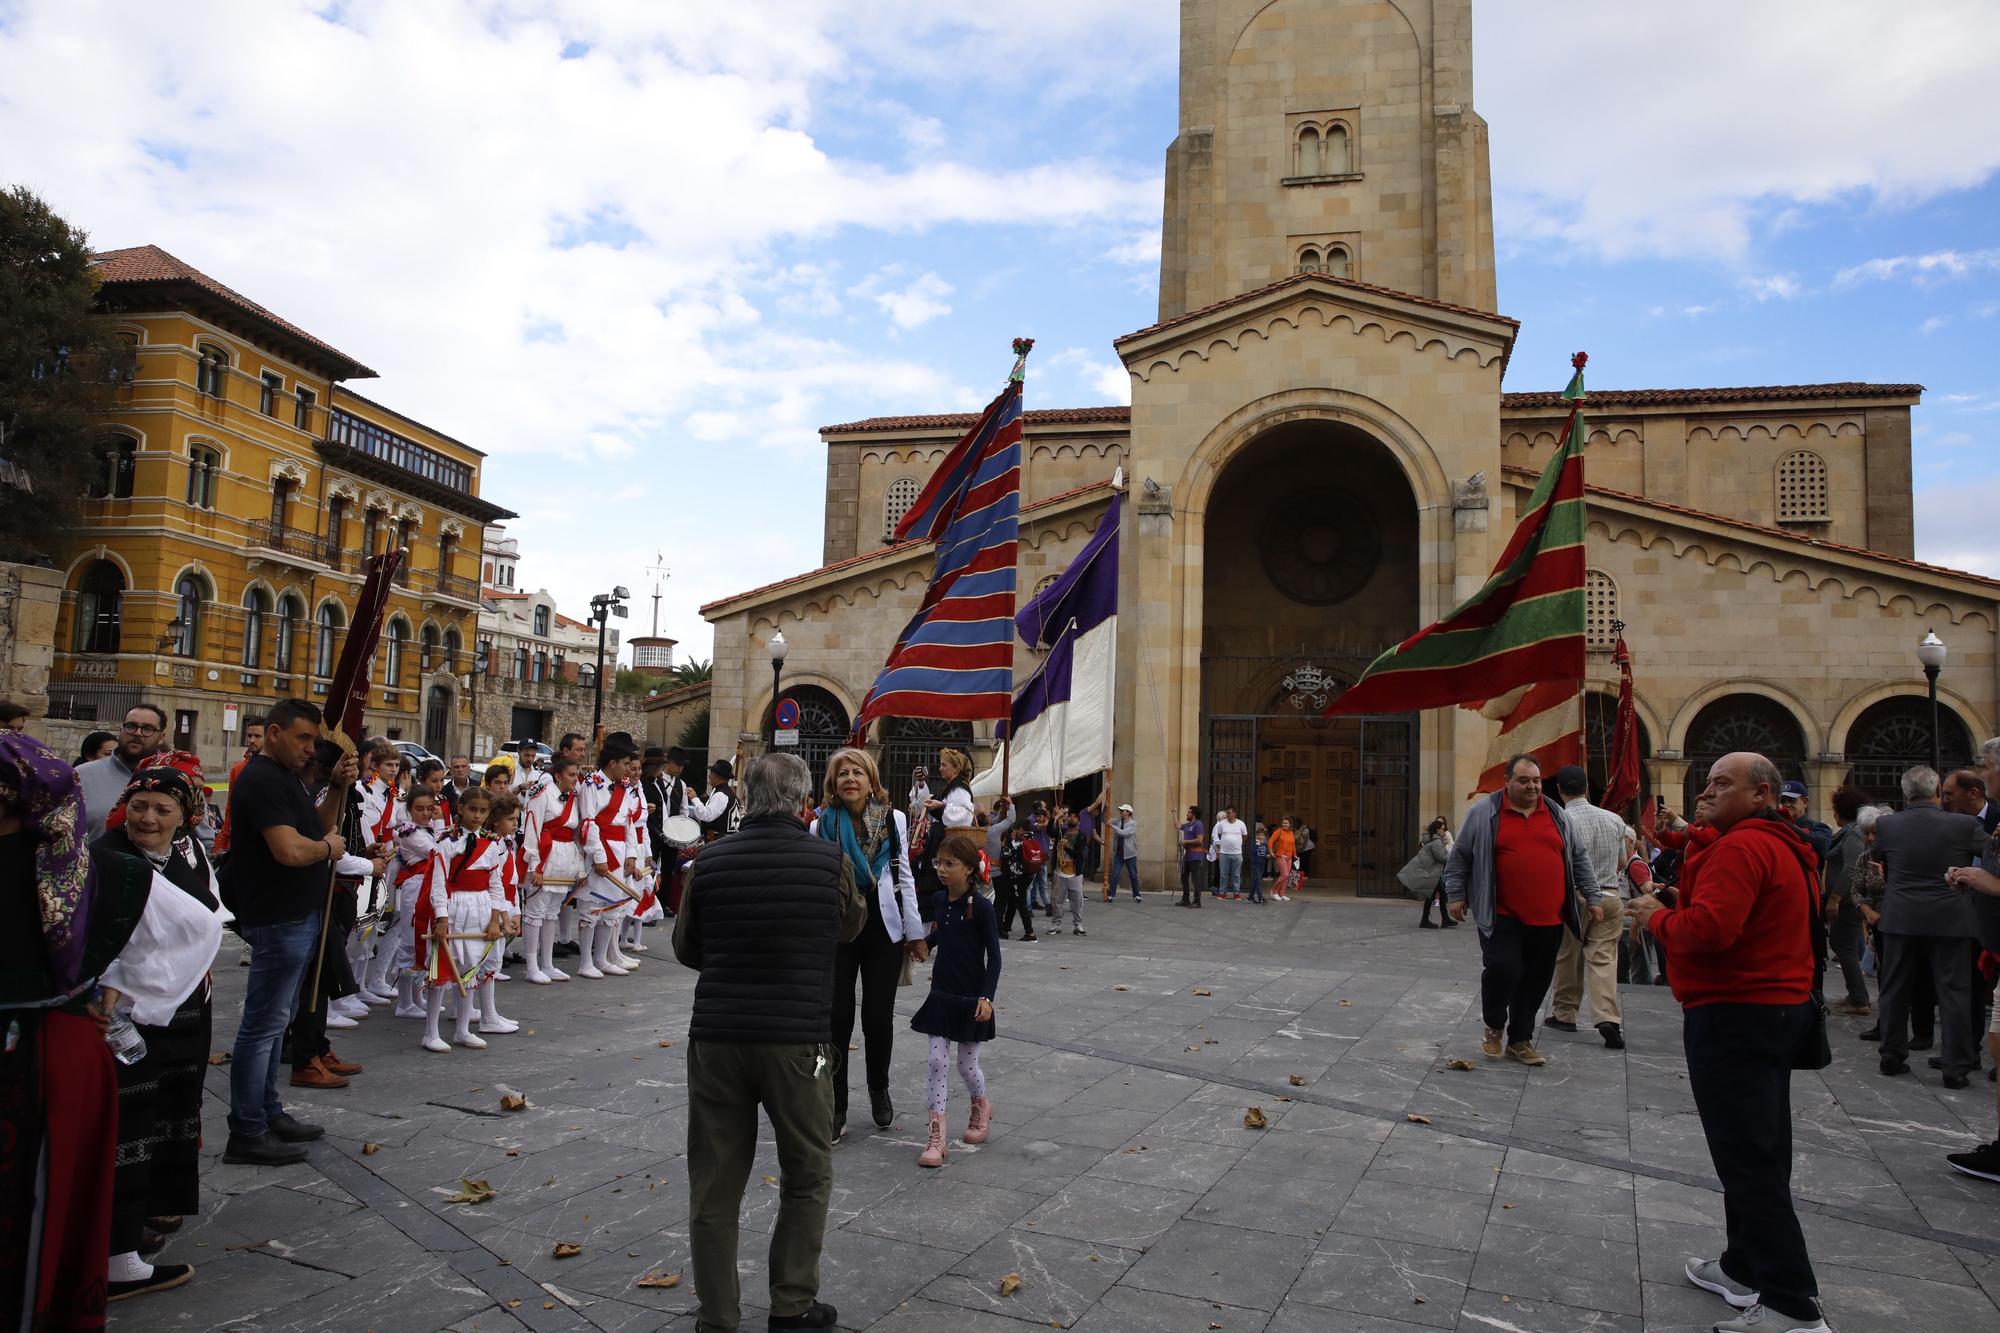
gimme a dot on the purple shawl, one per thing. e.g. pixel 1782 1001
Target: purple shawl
pixel 43 789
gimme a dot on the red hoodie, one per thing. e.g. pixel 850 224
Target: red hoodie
pixel 1742 934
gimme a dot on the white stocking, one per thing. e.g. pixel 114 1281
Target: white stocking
pixel 433 1007
pixel 548 938
pixel 604 943
pixel 531 947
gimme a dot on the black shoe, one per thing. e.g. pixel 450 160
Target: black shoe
pixel 1920 1044
pixel 1029 938
pixel 1872 1034
pixel 839 1126
pixel 1983 1161
pixel 1449 924
pixel 1956 1081
pixel 165 1278
pixel 884 1112
pixel 1614 1036
pixel 818 1315
pixel 293 1130
pixel 1559 1024
pixel 150 1242
pixel 1891 1068
pixel 1427 924
pixel 1935 1062
pixel 265 1149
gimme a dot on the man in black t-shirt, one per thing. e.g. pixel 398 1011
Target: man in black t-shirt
pixel 282 851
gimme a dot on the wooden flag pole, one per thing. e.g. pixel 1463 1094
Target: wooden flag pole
pixel 1110 843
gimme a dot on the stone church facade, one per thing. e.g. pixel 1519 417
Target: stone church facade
pixel 1322 459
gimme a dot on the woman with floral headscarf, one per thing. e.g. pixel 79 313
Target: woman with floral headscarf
pixel 64 915
pixel 158 1180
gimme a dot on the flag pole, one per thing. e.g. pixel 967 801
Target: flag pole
pixel 1019 374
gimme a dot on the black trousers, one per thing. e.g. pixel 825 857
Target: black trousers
pixel 1947 961
pixel 1739 1059
pixel 1009 897
pixel 1520 961
pixel 877 962
pixel 1193 873
pixel 1843 933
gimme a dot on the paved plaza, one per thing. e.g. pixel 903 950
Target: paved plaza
pixel 1390 1192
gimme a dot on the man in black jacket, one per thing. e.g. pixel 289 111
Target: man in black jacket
pixel 1926 925
pixel 763 912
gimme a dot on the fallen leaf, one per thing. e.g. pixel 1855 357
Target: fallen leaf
pixel 853 1045
pixel 1254 1119
pixel 1416 1119
pixel 1298 1080
pixel 1458 1063
pixel 1284 1099
pixel 548 1305
pixel 665 1044
pixel 219 1058
pixel 770 1180
pixel 513 1305
pixel 513 1101
pixel 1095 1259
pixel 657 1279
pixel 631 1254
pixel 370 1149
pixel 506 1263
pixel 513 1152
pixel 1506 1300
pixel 1419 1300
pixel 567 1249
pixel 1210 1041
pixel 1506 1206
pixel 472 1191
pixel 1346 1004
pixel 1121 988
pixel 1203 990
pixel 1010 1284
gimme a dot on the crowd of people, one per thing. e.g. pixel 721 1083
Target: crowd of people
pixel 366 889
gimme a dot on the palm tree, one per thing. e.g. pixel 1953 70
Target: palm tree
pixel 692 673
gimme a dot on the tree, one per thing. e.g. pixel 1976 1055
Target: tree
pixel 692 673
pixel 694 733
pixel 62 368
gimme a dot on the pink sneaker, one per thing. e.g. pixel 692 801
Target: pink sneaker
pixel 981 1121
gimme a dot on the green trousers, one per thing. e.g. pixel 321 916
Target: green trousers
pixel 727 1082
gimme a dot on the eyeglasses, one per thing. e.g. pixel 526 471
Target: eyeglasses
pixel 139 729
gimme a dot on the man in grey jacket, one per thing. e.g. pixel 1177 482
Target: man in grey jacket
pixel 1927 924
pixel 1523 877
pixel 103 780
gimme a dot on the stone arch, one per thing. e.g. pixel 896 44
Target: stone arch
pixel 835 688
pixel 1691 707
pixel 1893 734
pixel 1649 717
pixel 88 558
pixel 1851 711
pixel 1745 719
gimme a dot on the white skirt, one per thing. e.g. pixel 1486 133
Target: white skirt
pixel 472 961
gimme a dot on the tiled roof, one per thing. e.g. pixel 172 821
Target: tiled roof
pixel 1781 393
pixel 961 421
pixel 149 263
pixel 866 556
pixel 1509 402
pixel 672 697
pixel 1302 279
pixel 1527 476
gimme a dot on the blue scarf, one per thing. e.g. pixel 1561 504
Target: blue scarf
pixel 837 825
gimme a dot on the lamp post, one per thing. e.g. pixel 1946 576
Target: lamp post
pixel 778 648
pixel 172 638
pixel 478 670
pixel 602 607
pixel 1931 652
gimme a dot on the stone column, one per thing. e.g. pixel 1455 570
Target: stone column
pixel 1153 757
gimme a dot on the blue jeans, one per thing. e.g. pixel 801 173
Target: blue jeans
pixel 279 956
pixel 1130 865
pixel 1232 871
pixel 1038 890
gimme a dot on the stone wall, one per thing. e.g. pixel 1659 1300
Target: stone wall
pixel 30 603
pixel 567 705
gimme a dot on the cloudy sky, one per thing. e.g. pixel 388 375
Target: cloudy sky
pixel 640 251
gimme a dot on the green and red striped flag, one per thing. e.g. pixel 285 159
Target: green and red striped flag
pixel 1514 650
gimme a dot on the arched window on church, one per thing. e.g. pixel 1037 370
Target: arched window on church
pixel 1306 152
pixel 903 492
pixel 1802 488
pixel 1334 157
pixel 1309 260
pixel 1600 609
pixel 1336 263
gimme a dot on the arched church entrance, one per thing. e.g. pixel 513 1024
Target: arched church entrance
pixel 1309 572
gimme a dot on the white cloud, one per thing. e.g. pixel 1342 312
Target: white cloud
pixel 1100 381
pixel 1739 120
pixel 1932 325
pixel 1772 287
pixel 1937 266
pixel 1955 525
pixel 910 306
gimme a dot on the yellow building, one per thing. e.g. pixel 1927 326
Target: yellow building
pixel 219 559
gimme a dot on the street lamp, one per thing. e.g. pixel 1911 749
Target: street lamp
pixel 172 637
pixel 478 670
pixel 1931 653
pixel 778 648
pixel 602 608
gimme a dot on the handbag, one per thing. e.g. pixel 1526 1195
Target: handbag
pixel 1815 1050
pixel 908 975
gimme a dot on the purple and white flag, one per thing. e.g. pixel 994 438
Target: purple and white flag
pixel 1060 727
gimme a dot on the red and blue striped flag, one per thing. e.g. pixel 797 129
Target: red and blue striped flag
pixel 955 659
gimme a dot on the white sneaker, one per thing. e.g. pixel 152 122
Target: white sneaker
pixel 1708 1275
pixel 436 1045
pixel 352 1005
pixel 589 972
pixel 470 1041
pixel 555 974
pixel 409 1011
pixel 376 998
pixel 337 1021
pixel 1762 1319
pixel 501 976
pixel 499 1027
pixel 537 977
pixel 613 970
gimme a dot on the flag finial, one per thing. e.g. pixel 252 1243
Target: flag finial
pixel 1022 346
pixel 1575 390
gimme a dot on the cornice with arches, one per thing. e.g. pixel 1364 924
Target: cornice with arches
pixel 1850 712
pixel 1077 449
pixel 1744 434
pixel 1295 318
pixel 1847 584
pixel 825 601
pixel 906 454
pixel 1605 435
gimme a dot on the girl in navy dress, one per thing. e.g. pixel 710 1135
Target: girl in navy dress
pixel 965 971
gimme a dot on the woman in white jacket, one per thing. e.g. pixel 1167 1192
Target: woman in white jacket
pixel 876 837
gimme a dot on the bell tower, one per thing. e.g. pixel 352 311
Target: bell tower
pixel 1336 135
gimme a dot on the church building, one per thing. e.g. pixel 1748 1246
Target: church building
pixel 1323 458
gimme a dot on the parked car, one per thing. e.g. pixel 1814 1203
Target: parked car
pixel 413 753
pixel 538 756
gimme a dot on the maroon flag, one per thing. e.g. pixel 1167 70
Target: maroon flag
pixel 1621 777
pixel 347 695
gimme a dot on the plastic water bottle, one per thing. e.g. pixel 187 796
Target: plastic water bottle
pixel 127 1046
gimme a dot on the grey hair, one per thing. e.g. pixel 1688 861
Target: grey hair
pixel 1990 751
pixel 1865 817
pixel 1763 773
pixel 1920 783
pixel 776 785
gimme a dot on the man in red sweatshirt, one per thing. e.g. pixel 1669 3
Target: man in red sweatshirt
pixel 1740 960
